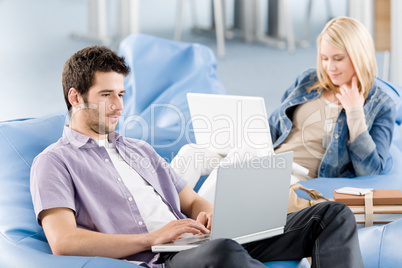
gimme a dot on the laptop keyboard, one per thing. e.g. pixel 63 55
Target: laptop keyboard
pixel 193 239
pixel 199 241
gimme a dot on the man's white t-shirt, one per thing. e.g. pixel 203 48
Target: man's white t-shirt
pixel 153 210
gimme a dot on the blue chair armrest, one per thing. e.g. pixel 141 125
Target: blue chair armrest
pixel 380 245
pixel 18 255
pixel 288 264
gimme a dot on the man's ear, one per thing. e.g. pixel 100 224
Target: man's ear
pixel 74 97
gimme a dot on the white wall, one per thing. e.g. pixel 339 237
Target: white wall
pixel 396 42
pixel 363 11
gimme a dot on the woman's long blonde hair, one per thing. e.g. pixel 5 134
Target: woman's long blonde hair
pixel 351 36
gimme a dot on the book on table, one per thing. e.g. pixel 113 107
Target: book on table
pixel 387 205
pixel 380 197
pixel 380 209
pixel 379 217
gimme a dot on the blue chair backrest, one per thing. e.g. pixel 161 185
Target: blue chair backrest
pixel 395 92
pixel 163 72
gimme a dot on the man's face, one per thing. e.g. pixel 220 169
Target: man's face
pixel 104 103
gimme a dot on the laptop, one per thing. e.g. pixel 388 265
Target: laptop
pixel 223 122
pixel 251 202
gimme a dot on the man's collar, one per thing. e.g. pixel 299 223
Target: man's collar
pixel 112 137
pixel 82 141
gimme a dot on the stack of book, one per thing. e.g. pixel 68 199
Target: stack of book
pixel 387 205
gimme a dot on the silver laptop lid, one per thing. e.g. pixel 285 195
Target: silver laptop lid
pixel 251 198
pixel 226 122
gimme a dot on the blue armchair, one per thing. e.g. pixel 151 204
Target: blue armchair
pixel 163 71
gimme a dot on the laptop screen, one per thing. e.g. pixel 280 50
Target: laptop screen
pixel 223 123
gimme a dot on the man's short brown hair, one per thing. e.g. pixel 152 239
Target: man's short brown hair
pixel 79 70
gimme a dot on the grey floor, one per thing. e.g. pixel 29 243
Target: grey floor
pixel 36 41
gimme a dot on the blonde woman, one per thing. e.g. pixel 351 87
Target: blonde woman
pixel 337 121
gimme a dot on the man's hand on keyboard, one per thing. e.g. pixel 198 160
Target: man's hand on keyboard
pixel 205 219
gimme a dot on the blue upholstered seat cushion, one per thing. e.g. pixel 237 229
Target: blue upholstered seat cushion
pixel 20 142
pixel 380 245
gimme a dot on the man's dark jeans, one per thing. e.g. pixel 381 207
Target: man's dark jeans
pixel 326 232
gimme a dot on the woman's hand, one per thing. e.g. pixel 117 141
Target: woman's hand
pixel 350 97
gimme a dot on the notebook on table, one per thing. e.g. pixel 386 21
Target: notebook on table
pixel 380 197
pixel 251 201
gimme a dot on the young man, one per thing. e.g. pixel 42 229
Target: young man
pixel 97 193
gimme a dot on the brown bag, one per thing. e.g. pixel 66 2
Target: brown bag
pixel 297 203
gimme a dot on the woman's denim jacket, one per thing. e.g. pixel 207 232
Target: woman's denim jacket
pixel 366 155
